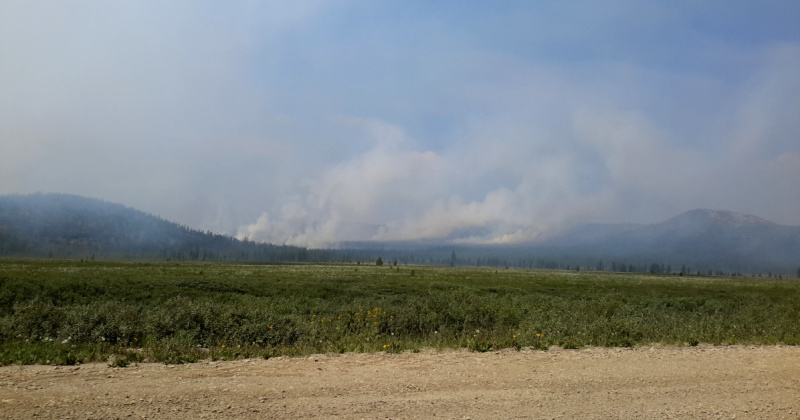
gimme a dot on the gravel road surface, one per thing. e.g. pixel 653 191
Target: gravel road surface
pixel 645 382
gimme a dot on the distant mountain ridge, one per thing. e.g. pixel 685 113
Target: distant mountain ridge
pixel 71 226
pixel 703 219
pixel 702 237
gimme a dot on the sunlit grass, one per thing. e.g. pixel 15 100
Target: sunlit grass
pixel 63 312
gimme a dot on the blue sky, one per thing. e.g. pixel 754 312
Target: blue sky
pixel 315 122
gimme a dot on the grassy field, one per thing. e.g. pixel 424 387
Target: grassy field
pixel 60 312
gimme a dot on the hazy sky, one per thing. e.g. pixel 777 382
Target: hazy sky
pixel 312 122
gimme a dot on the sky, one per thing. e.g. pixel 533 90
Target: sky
pixel 316 122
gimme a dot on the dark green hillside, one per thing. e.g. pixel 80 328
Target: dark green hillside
pixel 69 226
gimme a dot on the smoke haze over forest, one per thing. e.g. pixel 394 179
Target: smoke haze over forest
pixel 315 122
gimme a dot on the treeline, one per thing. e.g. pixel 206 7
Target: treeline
pixel 512 257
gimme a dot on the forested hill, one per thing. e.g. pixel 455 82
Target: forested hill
pixel 711 240
pixel 70 226
pixel 697 241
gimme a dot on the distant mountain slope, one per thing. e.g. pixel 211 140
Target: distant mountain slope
pixel 694 220
pixel 715 238
pixel 70 226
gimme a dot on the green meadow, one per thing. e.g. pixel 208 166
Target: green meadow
pixel 67 312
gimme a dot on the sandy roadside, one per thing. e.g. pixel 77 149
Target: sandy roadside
pixel 699 382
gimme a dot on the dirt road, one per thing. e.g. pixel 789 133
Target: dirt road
pixel 700 382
